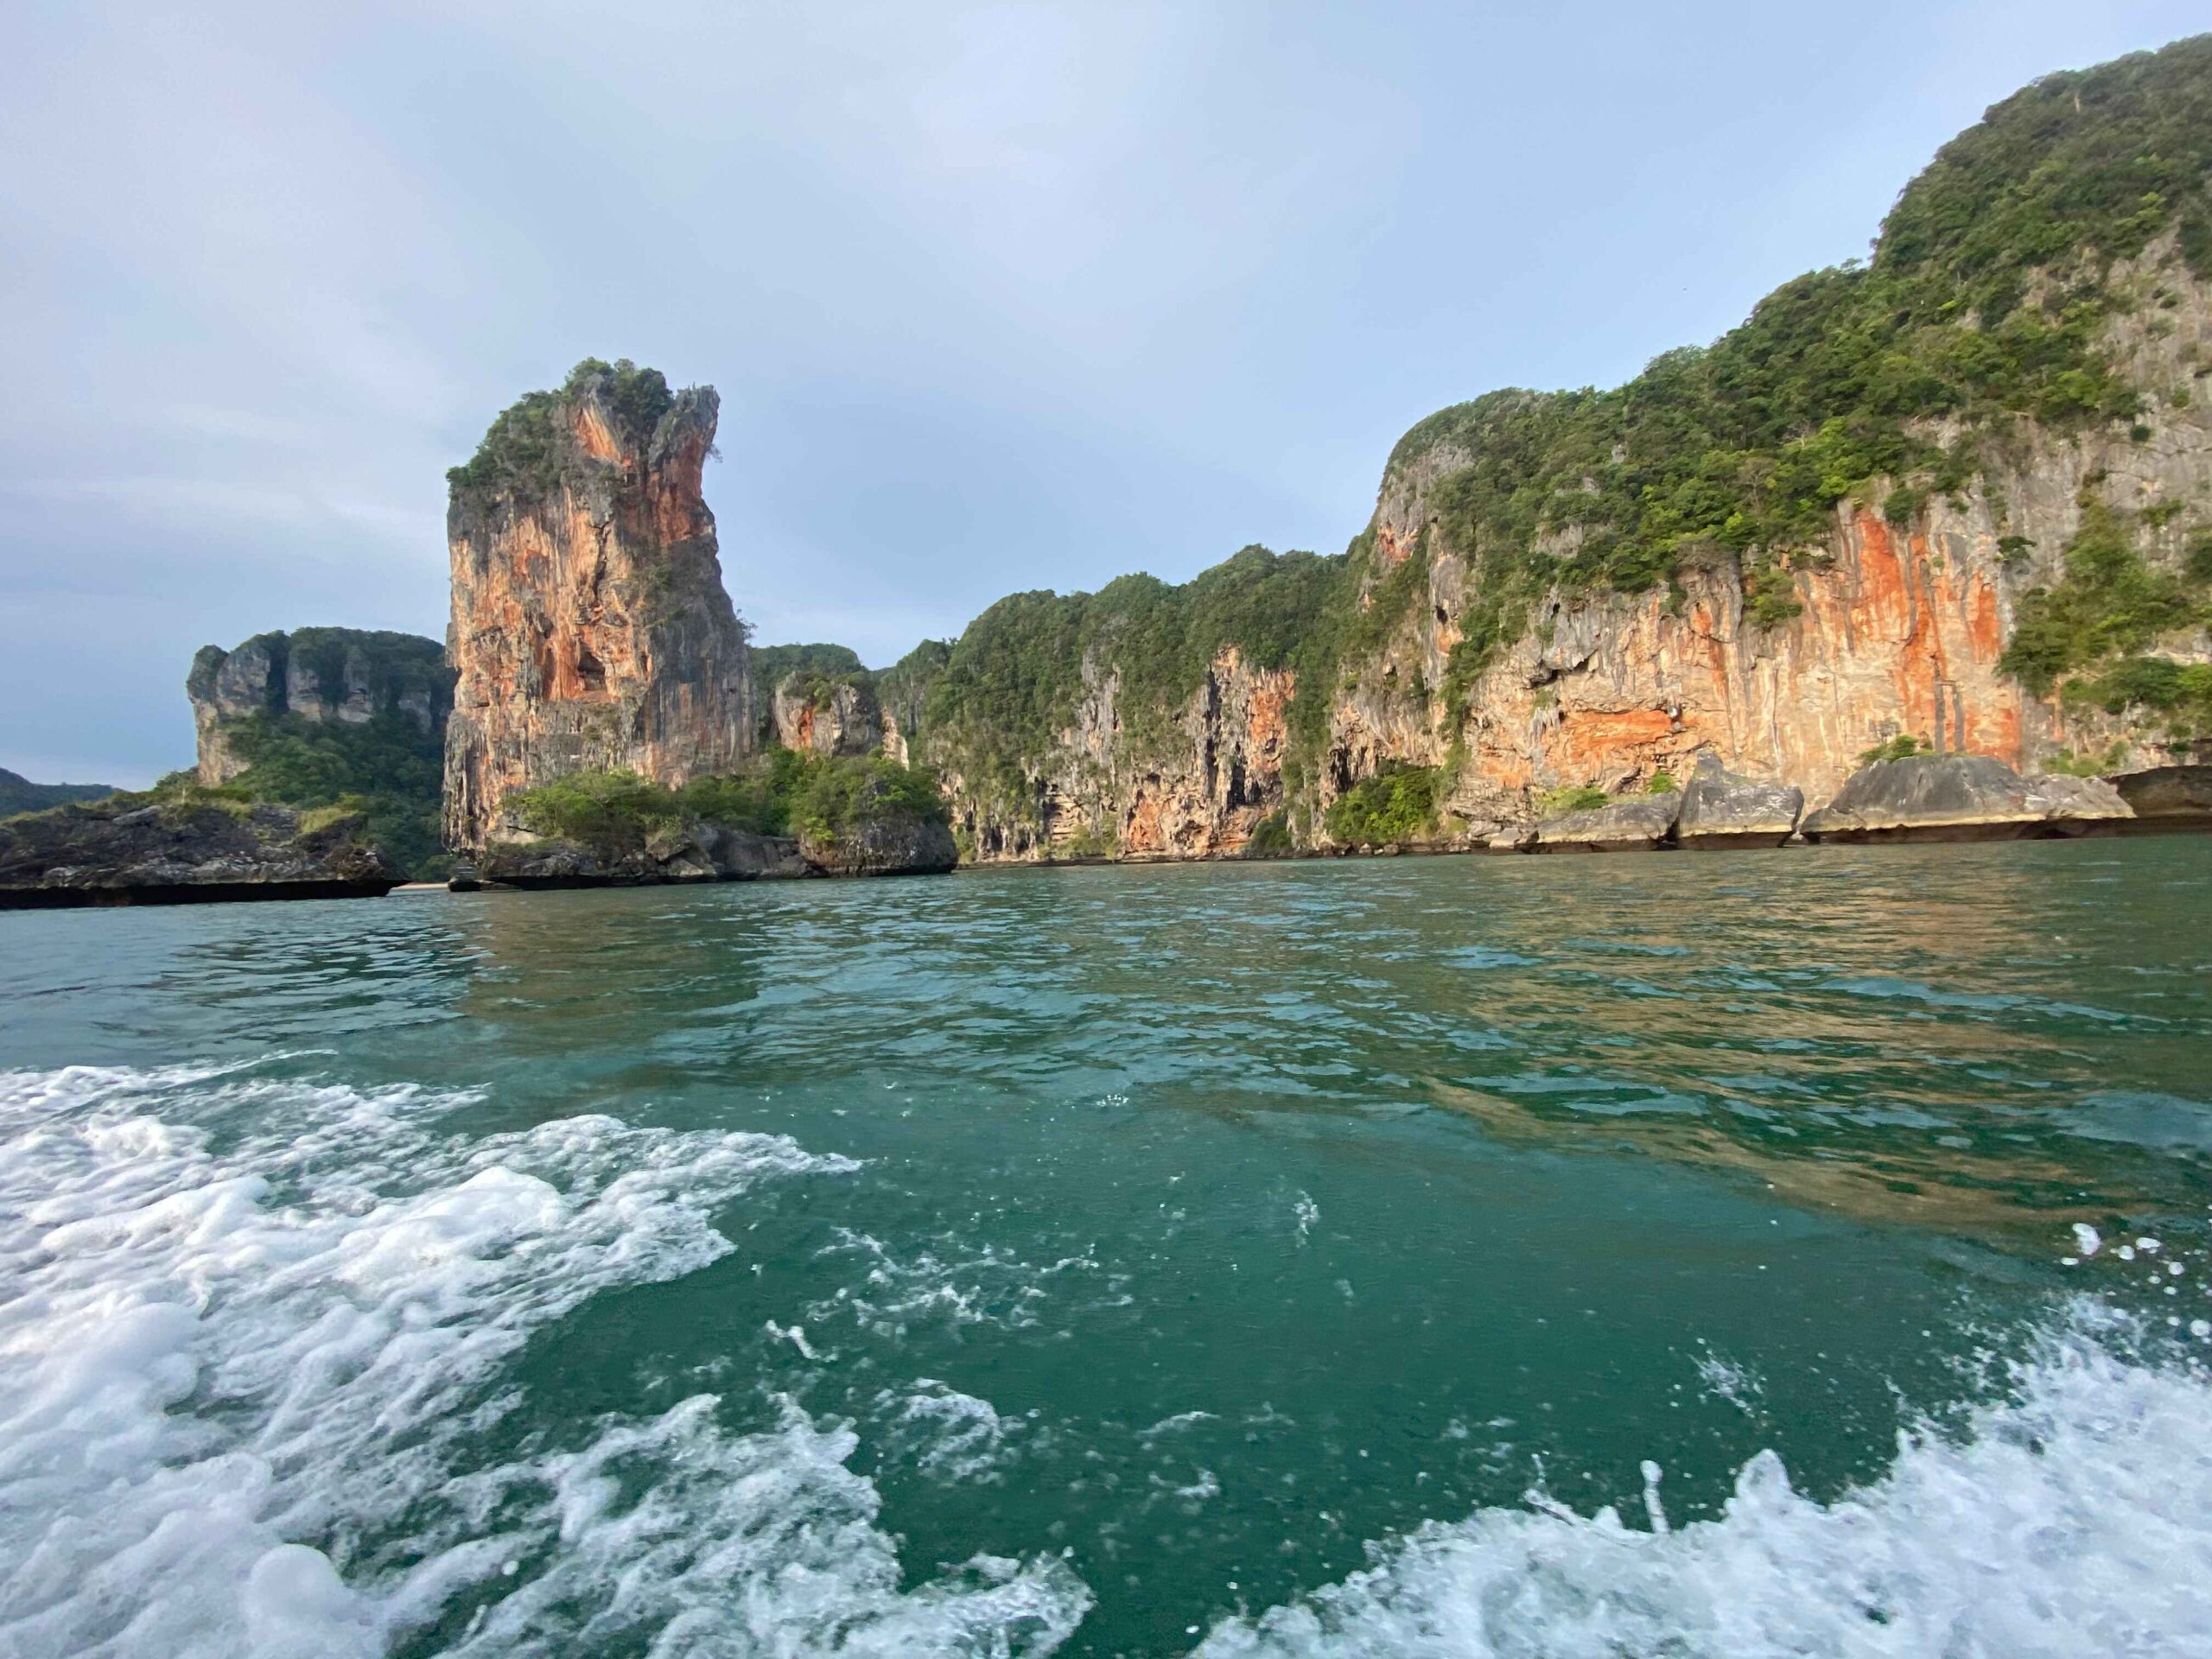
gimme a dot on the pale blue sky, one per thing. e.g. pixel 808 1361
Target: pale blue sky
pixel 997 296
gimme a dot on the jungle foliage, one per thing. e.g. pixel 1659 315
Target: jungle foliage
pixel 388 771
pixel 782 792
pixel 1011 683
pixel 1397 804
pixel 521 448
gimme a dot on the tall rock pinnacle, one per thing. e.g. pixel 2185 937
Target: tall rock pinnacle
pixel 590 628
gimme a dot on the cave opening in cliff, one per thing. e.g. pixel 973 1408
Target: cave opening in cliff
pixel 591 673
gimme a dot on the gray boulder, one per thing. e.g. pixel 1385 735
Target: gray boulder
pixel 1642 824
pixel 885 843
pixel 741 855
pixel 1963 798
pixel 130 849
pixel 1722 809
pixel 2168 795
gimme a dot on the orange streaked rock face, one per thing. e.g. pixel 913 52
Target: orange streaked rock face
pixel 589 626
pixel 1898 631
pixel 843 718
pixel 1198 797
pixel 1892 629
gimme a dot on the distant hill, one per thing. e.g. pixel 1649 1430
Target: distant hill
pixel 19 794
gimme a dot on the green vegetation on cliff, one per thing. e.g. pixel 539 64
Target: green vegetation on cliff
pixel 1271 837
pixel 387 772
pixel 378 751
pixel 1007 689
pixel 1398 804
pixel 1572 797
pixel 821 669
pixel 1902 746
pixel 818 797
pixel 2089 634
pixel 522 449
pixel 2180 692
pixel 903 688
pixel 1981 306
pixel 840 795
pixel 333 720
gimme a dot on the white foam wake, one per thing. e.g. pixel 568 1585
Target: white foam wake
pixel 254 1351
pixel 2075 1518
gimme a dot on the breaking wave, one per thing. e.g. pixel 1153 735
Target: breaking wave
pixel 254 1350
pixel 2073 1517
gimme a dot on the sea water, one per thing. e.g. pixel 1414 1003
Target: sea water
pixel 1790 1252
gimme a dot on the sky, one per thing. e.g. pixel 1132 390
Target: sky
pixel 996 296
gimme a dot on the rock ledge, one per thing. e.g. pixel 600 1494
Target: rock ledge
pixel 130 851
pixel 1964 797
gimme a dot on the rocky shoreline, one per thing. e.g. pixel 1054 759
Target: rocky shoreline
pixel 700 852
pixel 128 850
pixel 1921 799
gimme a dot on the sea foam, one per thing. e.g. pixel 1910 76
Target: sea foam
pixel 257 1399
pixel 254 1342
pixel 2073 1517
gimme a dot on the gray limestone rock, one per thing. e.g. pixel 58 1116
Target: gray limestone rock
pixel 694 852
pixel 343 676
pixel 2168 794
pixel 1640 826
pixel 128 850
pixel 1724 808
pixel 895 843
pixel 1963 798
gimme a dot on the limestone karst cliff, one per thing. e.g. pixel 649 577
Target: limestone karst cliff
pixel 1897 620
pixel 1956 499
pixel 817 699
pixel 324 718
pixel 1961 495
pixel 313 677
pixel 590 628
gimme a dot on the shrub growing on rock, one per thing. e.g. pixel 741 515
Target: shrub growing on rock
pixel 1398 803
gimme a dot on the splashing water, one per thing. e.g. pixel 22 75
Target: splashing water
pixel 2075 1518
pixel 251 1361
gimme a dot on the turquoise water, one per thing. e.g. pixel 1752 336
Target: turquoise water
pixel 1292 1258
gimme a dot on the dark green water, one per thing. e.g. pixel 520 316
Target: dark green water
pixel 1111 1256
